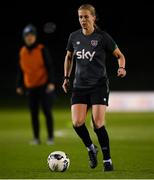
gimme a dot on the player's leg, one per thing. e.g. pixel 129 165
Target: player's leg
pixel 46 102
pixel 98 115
pixel 79 112
pixel 34 111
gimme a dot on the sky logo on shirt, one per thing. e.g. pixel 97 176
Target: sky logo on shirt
pixel 85 55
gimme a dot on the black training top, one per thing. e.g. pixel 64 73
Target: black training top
pixel 90 54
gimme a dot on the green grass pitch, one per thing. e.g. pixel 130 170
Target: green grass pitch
pixel 131 139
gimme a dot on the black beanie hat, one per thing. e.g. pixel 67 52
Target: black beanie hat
pixel 29 29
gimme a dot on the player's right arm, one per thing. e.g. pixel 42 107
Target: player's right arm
pixel 68 64
pixel 19 86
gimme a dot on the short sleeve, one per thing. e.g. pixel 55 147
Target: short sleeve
pixel 110 44
pixel 69 46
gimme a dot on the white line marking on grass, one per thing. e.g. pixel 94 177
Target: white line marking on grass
pixel 64 133
pixel 60 133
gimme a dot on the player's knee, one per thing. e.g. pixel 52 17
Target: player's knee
pixel 78 122
pixel 99 123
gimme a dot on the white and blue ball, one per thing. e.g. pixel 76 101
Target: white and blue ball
pixel 58 161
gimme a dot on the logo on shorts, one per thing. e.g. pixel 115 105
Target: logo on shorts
pixel 105 99
pixel 78 42
pixel 94 43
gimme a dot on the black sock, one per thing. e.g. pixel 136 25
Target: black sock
pixel 103 141
pixel 83 133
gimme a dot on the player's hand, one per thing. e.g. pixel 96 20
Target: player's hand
pixel 50 88
pixel 20 91
pixel 65 85
pixel 121 72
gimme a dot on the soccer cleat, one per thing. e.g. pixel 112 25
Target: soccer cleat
pixel 50 141
pixel 93 157
pixel 35 142
pixel 108 166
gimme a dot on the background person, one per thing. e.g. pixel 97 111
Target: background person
pixel 36 75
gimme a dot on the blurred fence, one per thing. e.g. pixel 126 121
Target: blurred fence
pixel 131 101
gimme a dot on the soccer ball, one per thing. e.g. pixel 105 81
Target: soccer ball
pixel 58 161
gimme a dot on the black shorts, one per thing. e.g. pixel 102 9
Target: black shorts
pixel 92 96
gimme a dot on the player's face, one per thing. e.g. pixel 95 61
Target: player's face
pixel 86 19
pixel 30 39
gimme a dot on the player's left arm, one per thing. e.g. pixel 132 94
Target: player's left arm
pixel 121 62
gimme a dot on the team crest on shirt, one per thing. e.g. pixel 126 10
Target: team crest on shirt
pixel 94 43
pixel 78 42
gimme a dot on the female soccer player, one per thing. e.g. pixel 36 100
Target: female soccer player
pixel 88 47
pixel 35 73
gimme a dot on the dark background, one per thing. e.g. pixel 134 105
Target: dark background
pixel 130 25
